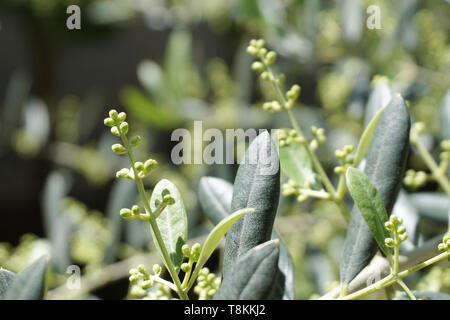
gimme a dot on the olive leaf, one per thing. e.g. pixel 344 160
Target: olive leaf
pixel 29 284
pixel 385 165
pixel 297 165
pixel 427 295
pixel 405 210
pixel 215 196
pixel 370 205
pixel 378 100
pixel 123 195
pixel 257 185
pixel 366 138
pixel 431 205
pixel 254 274
pixel 172 222
pixel 445 116
pixel 6 278
pixel 214 237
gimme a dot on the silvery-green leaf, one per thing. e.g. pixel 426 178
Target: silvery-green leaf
pixel 6 278
pixel 378 99
pixel 29 284
pixel 431 205
pixel 444 116
pixel 215 196
pixel 253 275
pixel 385 165
pixel 404 209
pixel 370 206
pixel 257 185
pixel 172 222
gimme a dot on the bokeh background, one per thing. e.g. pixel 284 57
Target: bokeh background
pixel 168 63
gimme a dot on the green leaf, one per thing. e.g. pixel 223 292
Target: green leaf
pixel 378 100
pixel 215 196
pixel 214 237
pixel 123 195
pixel 370 205
pixel 29 284
pixel 253 275
pixel 445 116
pixel 257 185
pixel 366 138
pixel 6 278
pixel 431 205
pixel 385 166
pixel 58 226
pixel 140 106
pixel 427 295
pixel 297 165
pixel 284 284
pixel 172 222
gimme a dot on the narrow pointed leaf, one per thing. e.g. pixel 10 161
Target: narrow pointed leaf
pixel 297 165
pixel 370 205
pixel 378 99
pixel 366 138
pixel 385 166
pixel 431 205
pixel 215 196
pixel 172 222
pixel 214 237
pixel 253 275
pixel 6 278
pixel 257 185
pixel 445 116
pixel 29 284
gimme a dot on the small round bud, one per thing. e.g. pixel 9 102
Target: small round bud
pixel 257 66
pixel 126 214
pixel 271 56
pixel 115 131
pixel 212 292
pixel 260 43
pixel 150 164
pixel 401 230
pixel 389 226
pixel 141 269
pixel 204 271
pixel 156 269
pixel 265 76
pixel 147 284
pixel 135 209
pixel 108 122
pixel 134 141
pixel 389 242
pixel 118 148
pixel 302 198
pixel 123 173
pixel 186 250
pixel 122 116
pixel 124 127
pixel 403 236
pixel 262 52
pixel 195 251
pixel 185 267
pixel 168 200
pixel 133 278
pixel 139 166
pixel 113 114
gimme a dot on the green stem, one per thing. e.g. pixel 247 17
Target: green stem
pixel 391 279
pixel 158 238
pixel 317 165
pixel 187 275
pixel 436 172
pixel 165 282
pixel 406 289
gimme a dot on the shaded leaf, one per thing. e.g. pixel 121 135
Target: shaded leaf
pixel 431 205
pixel 284 284
pixel 214 237
pixel 215 196
pixel 172 222
pixel 366 138
pixel 445 116
pixel 257 185
pixel 297 165
pixel 370 205
pixel 29 284
pixel 428 295
pixel 385 166
pixel 404 209
pixel 6 278
pixel 253 275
